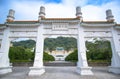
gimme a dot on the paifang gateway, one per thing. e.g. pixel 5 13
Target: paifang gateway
pixel 67 27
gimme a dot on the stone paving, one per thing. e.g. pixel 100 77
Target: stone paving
pixel 60 73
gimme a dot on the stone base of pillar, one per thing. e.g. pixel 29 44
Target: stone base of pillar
pixel 115 70
pixel 5 70
pixel 36 71
pixel 84 70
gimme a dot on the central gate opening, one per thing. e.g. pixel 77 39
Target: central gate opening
pixel 61 49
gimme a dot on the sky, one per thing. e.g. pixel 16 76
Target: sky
pixel 92 10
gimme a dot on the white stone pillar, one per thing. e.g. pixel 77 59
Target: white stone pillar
pixel 38 68
pixel 115 44
pixel 4 59
pixel 82 65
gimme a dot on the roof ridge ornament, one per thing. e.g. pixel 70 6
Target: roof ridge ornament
pixel 79 13
pixel 109 16
pixel 41 13
pixel 10 16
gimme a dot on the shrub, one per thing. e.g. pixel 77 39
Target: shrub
pixel 99 50
pixel 73 56
pixel 47 57
pixel 20 53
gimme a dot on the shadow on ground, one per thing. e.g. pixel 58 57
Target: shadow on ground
pixel 60 73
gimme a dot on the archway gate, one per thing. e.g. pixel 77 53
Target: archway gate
pixel 68 27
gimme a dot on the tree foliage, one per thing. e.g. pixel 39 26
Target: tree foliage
pixel 73 56
pixel 66 42
pixel 25 43
pixel 50 43
pixel 98 50
pixel 20 53
pixel 47 57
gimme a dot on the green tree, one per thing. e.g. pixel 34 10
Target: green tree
pixel 25 43
pixel 99 50
pixel 20 53
pixel 66 42
pixel 73 56
pixel 47 57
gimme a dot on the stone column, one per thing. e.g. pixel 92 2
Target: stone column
pixel 78 12
pixel 38 68
pixel 4 59
pixel 41 13
pixel 115 44
pixel 109 16
pixel 10 16
pixel 82 65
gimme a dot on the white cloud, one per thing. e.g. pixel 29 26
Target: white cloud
pixel 29 10
pixel 91 12
pixel 60 11
pixel 25 10
pixel 115 7
pixel 74 2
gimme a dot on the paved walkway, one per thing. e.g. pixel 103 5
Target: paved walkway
pixel 60 73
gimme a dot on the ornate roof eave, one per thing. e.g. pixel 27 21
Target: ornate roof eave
pixel 3 27
pixel 58 20
pixel 98 24
pixel 30 25
pixel 117 26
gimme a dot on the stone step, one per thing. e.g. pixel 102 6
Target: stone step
pixel 59 63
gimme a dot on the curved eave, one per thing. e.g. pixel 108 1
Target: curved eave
pixel 97 24
pixel 60 19
pixel 20 25
pixel 48 20
pixel 117 26
pixel 2 27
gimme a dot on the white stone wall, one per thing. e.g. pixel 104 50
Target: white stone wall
pixel 54 28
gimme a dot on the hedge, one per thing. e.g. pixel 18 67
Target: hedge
pixel 47 57
pixel 73 56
